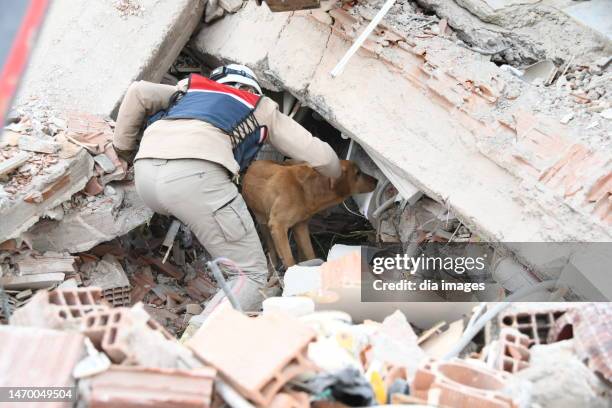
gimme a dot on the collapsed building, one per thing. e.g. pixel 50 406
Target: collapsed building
pixel 483 121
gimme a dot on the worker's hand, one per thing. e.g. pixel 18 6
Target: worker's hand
pixel 127 155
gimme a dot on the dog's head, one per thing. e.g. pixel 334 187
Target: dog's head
pixel 353 180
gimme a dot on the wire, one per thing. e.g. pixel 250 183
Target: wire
pixel 353 212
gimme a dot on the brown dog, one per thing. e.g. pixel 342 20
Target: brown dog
pixel 284 196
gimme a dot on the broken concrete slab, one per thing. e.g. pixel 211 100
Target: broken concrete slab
pixel 64 179
pixel 471 156
pixel 595 14
pixel 521 34
pixel 7 166
pixel 38 145
pixel 119 47
pixel 589 325
pixel 91 223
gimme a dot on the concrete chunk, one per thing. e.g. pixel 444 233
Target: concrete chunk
pixel 231 6
pixel 443 135
pixel 38 144
pixel 13 163
pixel 19 215
pixel 84 227
pixel 105 163
pixel 120 48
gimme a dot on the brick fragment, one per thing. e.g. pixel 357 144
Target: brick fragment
pixel 281 353
pixel 459 383
pixel 513 351
pixel 165 268
pixel 59 308
pixel 534 324
pixel 103 329
pixel 136 387
pixel 591 328
pixel 93 187
pixel 108 274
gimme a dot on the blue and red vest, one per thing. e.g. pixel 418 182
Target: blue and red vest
pixel 229 109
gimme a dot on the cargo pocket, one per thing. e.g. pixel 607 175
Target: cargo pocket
pixel 234 219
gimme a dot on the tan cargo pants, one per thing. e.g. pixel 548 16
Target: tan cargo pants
pixel 202 196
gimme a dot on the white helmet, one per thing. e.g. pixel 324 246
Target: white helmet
pixel 235 73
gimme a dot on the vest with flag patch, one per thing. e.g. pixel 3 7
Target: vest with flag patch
pixel 227 108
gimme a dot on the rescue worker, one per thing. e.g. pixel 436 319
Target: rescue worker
pixel 199 135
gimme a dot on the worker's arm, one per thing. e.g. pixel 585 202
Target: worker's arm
pixel 141 100
pixel 292 140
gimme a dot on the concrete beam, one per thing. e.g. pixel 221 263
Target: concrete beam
pixel 430 111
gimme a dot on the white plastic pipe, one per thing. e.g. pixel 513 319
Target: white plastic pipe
pixel 231 396
pixel 362 37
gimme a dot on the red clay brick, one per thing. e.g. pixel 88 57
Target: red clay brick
pixel 591 328
pixel 103 330
pixel 53 309
pixel 513 353
pixel 34 357
pixel 534 324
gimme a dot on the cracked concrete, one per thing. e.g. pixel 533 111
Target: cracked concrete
pixel 430 111
pixel 89 52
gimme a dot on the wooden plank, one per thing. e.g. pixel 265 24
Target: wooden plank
pixel 45 264
pixel 39 281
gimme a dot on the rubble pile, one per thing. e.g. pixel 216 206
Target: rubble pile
pixel 170 280
pixel 298 357
pixel 96 292
pixel 60 165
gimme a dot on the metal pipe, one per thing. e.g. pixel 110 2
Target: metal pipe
pixel 214 267
pixel 362 37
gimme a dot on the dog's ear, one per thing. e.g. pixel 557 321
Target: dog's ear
pixel 340 186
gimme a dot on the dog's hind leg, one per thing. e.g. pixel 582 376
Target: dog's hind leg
pixel 281 242
pixel 265 231
pixel 304 244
